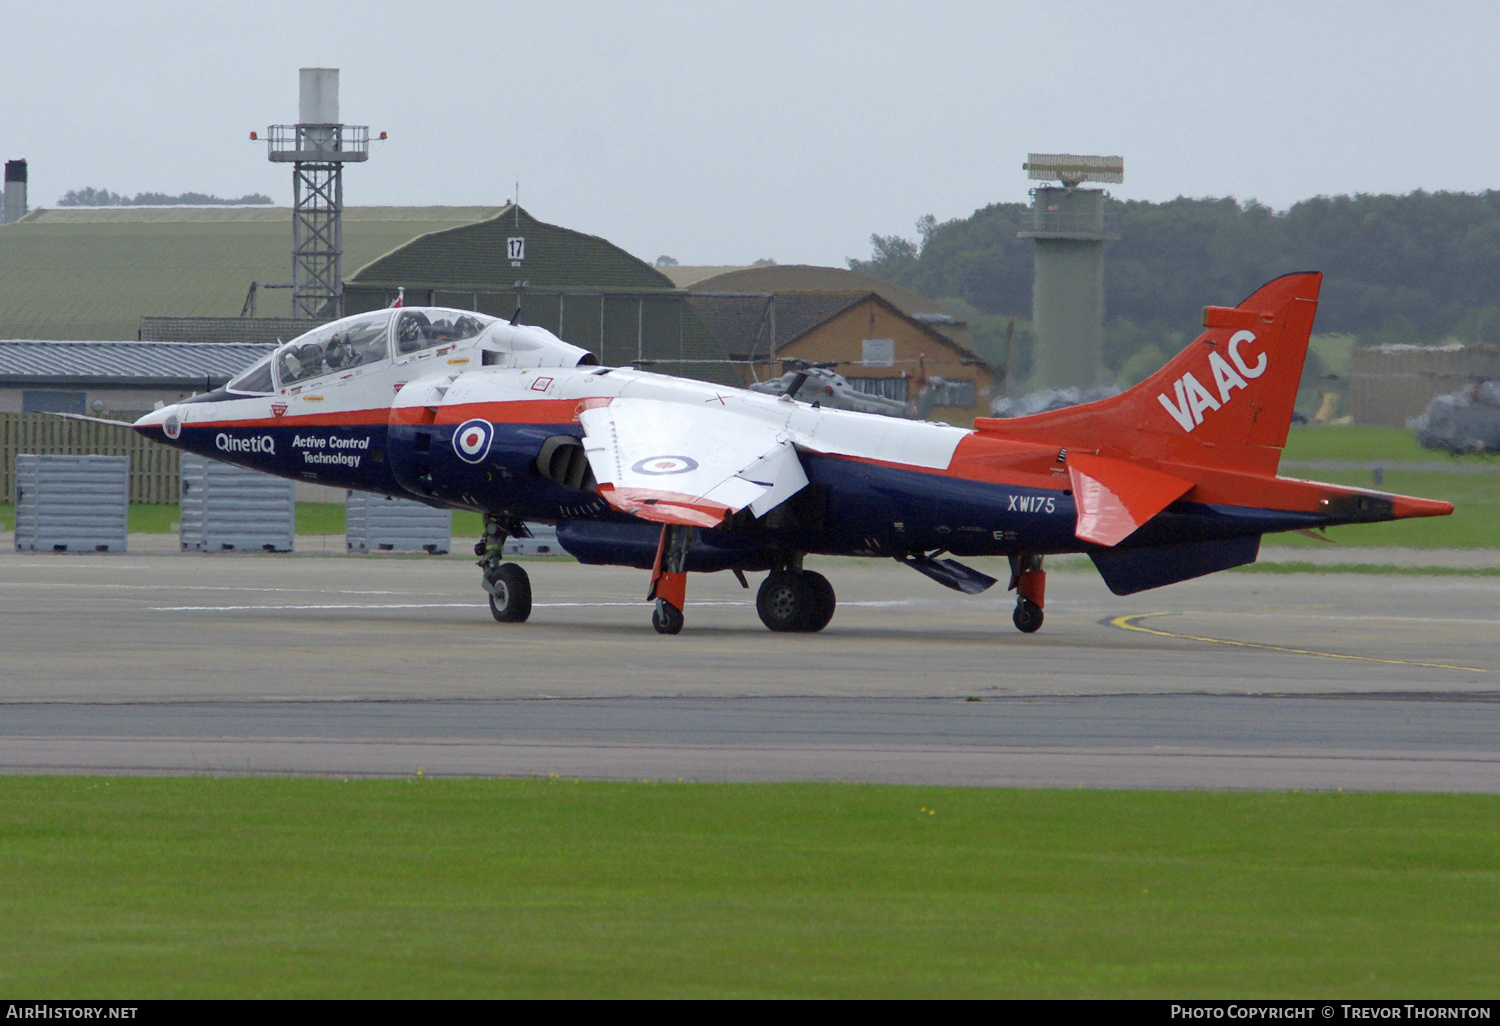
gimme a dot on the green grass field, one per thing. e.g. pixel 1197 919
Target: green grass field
pixel 1475 522
pixel 148 888
pixel 328 518
pixel 1368 443
pixel 312 518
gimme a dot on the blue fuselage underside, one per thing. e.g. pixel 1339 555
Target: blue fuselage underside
pixel 850 507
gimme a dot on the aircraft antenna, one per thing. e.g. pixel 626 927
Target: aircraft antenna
pixel 318 146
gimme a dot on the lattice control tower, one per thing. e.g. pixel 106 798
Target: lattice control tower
pixel 318 147
pixel 1067 295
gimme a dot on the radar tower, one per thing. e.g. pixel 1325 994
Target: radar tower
pixel 1067 294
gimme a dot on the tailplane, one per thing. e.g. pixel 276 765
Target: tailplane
pixel 1225 401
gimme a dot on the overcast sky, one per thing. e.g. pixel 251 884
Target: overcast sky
pixel 721 132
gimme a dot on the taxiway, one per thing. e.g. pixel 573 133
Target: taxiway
pixel 391 665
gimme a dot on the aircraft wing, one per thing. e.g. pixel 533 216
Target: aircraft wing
pixel 1114 498
pixel 678 464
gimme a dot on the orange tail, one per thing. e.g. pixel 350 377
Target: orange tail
pixel 1225 401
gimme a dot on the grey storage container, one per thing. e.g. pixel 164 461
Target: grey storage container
pixel 72 503
pixel 543 542
pixel 379 523
pixel 228 507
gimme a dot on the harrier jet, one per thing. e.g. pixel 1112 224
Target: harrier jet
pixel 1170 480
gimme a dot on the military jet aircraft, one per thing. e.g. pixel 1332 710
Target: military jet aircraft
pixel 1170 480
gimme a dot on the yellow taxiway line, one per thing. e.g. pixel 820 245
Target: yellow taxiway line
pixel 1128 623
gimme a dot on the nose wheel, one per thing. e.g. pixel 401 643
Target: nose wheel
pixel 507 584
pixel 510 593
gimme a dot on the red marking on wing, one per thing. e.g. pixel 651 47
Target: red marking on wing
pixel 664 507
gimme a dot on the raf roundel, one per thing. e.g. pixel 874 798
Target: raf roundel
pixel 472 440
pixel 662 465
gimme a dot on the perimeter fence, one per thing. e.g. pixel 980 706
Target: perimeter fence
pixel 155 469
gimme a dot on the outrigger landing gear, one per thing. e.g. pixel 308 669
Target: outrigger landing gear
pixel 667 618
pixel 1029 581
pixel 793 599
pixel 508 585
pixel 669 579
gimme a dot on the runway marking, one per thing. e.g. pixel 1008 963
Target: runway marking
pixel 293 608
pixel 1126 623
pixel 638 603
pixel 634 603
pixel 205 587
pixel 1281 612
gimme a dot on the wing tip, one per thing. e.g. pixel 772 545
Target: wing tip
pixel 664 507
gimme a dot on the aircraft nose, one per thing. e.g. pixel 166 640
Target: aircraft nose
pixel 160 424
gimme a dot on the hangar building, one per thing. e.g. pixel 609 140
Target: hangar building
pixel 586 290
pixel 881 337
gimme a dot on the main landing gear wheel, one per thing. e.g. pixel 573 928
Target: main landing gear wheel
pixel 510 593
pixel 1028 616
pixel 666 618
pixel 823 601
pixel 795 601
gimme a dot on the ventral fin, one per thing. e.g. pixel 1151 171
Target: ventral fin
pixel 1115 498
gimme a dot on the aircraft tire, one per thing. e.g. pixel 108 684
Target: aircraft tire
pixel 667 618
pixel 510 602
pixel 1027 617
pixel 820 609
pixel 783 601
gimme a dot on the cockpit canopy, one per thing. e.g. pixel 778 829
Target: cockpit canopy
pixel 355 343
pixel 422 329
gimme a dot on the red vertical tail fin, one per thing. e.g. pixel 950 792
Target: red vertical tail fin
pixel 1224 401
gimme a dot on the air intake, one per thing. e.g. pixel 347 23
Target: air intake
pixel 563 461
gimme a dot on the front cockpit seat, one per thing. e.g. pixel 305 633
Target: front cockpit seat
pixel 310 357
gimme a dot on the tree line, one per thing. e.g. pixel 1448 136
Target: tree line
pixel 91 197
pixel 1420 268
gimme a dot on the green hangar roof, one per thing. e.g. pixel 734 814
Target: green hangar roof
pixel 508 248
pixel 93 273
pixel 112 273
